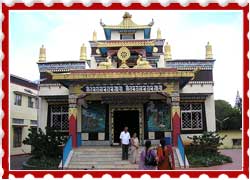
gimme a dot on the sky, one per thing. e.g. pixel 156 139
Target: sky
pixel 63 33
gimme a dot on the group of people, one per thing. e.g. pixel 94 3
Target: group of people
pixel 150 158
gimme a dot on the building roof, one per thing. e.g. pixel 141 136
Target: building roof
pixel 127 23
pixel 23 82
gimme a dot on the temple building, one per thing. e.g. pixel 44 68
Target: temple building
pixel 130 80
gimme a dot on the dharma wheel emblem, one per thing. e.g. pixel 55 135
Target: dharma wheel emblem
pixel 123 54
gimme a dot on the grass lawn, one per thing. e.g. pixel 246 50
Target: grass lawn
pixel 206 159
pixel 42 163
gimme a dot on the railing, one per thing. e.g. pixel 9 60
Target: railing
pixel 170 149
pixel 182 150
pixel 66 150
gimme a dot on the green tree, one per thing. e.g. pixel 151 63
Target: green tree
pixel 227 117
pixel 44 144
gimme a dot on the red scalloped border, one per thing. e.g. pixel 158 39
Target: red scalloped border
pixel 118 6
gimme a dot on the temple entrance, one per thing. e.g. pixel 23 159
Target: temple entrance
pixel 122 118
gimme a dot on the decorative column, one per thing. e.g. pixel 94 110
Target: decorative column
pixel 73 118
pixel 175 116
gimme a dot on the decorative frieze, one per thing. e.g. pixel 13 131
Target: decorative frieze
pixel 190 64
pixel 61 66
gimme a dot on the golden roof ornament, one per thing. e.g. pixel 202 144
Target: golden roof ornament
pixel 106 64
pixel 142 63
pixel 123 54
pixel 83 52
pixel 127 23
pixel 42 54
pixel 159 34
pixel 209 53
pixel 94 36
pixel 167 54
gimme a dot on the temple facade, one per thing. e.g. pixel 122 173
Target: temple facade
pixel 130 80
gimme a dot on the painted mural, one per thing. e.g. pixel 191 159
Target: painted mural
pixel 158 116
pixel 93 118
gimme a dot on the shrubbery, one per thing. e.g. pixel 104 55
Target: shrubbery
pixel 208 142
pixel 45 144
pixel 203 150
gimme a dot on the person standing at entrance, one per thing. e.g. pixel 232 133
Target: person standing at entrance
pixel 134 148
pixel 125 138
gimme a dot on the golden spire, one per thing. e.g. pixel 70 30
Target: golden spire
pixel 83 53
pixel 159 34
pixel 209 53
pixel 42 54
pixel 167 54
pixel 94 36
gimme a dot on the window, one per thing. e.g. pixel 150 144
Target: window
pixel 17 138
pixel 17 121
pixel 30 102
pixel 236 142
pixel 33 122
pixel 191 116
pixel 127 36
pixel 18 99
pixel 59 117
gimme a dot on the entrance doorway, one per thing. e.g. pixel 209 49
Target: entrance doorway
pixel 129 118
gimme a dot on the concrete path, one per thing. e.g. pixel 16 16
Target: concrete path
pixel 17 161
pixel 235 154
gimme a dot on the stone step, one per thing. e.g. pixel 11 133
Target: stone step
pixel 95 158
pixel 87 153
pixel 100 163
pixel 97 155
pixel 106 166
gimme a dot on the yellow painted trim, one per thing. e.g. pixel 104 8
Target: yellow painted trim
pixel 121 75
pixel 125 43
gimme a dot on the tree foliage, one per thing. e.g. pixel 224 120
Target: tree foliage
pixel 44 144
pixel 227 117
pixel 207 143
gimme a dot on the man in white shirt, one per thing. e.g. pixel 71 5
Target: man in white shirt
pixel 125 140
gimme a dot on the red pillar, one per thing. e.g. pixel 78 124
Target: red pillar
pixel 176 123
pixel 73 125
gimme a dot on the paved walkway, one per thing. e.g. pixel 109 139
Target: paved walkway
pixel 235 154
pixel 17 161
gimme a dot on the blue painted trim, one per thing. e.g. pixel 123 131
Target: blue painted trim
pixel 168 140
pixel 147 33
pixel 107 34
pixel 181 149
pixel 79 139
pixel 66 149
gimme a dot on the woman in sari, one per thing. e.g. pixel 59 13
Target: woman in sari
pixel 163 156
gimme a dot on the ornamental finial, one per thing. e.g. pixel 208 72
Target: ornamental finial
pixel 94 36
pixel 167 54
pixel 83 53
pixel 159 34
pixel 42 54
pixel 209 53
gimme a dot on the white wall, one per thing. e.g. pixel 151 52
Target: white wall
pixel 53 90
pixel 210 113
pixel 21 112
pixel 161 62
pixel 115 35
pixel 42 113
pixel 139 34
pixel 197 88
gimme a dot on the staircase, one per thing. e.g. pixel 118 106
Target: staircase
pixel 103 158
pixel 100 157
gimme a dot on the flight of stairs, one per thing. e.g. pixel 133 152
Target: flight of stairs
pixel 100 157
pixel 103 158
